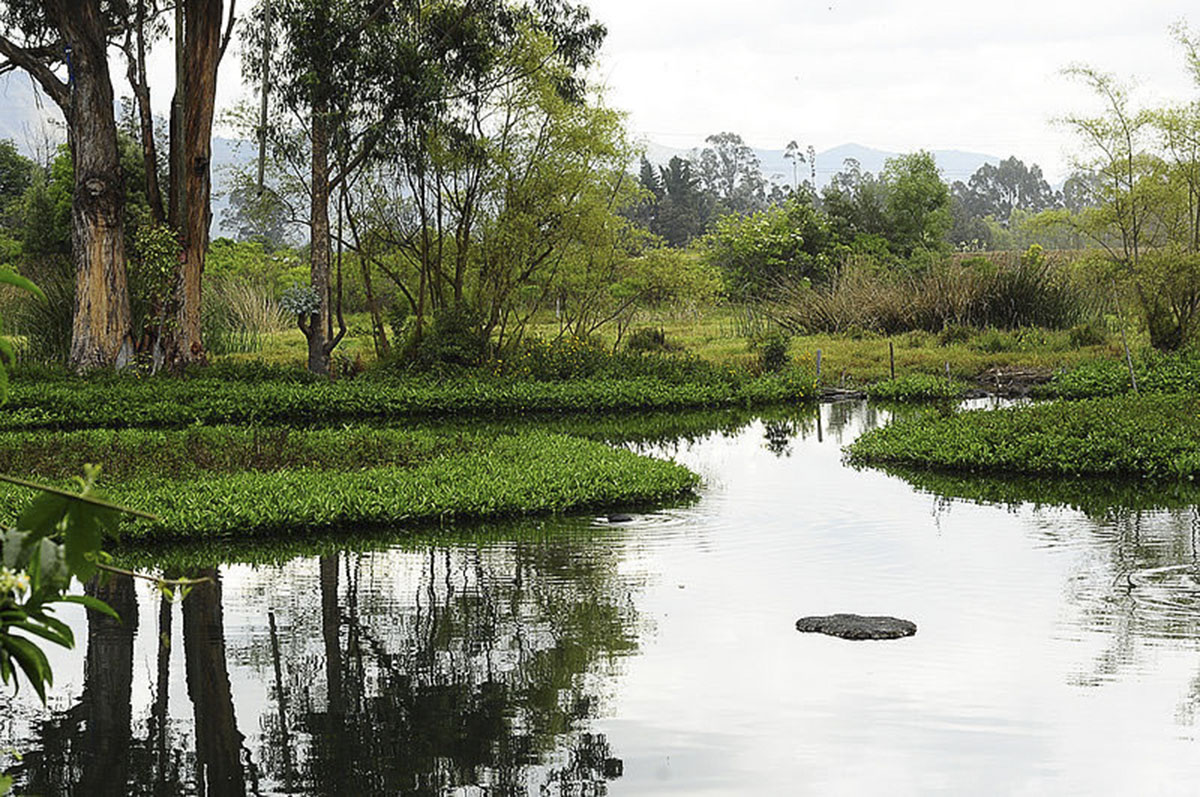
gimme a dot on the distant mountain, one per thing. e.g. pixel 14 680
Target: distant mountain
pixel 955 164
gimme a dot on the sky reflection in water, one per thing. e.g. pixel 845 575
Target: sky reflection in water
pixel 1056 653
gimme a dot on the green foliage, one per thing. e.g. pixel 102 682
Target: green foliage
pixel 771 349
pixel 917 204
pixel 648 339
pixel 647 382
pixel 1155 372
pixel 530 473
pixel 998 291
pixel 44 546
pixel 755 253
pixel 1155 437
pixel 239 313
pixel 455 339
pixel 917 387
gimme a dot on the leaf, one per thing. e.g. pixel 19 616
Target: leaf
pixel 82 539
pixel 10 277
pixel 31 660
pixel 15 548
pixel 95 604
pixel 51 572
pixel 44 514
pixel 45 633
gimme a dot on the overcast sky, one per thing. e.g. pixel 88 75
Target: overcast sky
pixel 890 75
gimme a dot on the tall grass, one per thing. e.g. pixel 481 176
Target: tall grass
pixel 45 325
pixel 238 314
pixel 1001 291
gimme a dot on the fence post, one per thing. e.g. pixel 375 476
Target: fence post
pixel 818 366
pixel 892 358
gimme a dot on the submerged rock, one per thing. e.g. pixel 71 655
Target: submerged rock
pixel 855 626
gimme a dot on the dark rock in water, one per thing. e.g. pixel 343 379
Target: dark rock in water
pixel 619 517
pixel 855 626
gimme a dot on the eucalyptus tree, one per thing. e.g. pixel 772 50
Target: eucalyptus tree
pixel 63 46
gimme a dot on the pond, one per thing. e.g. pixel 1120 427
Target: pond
pixel 1058 645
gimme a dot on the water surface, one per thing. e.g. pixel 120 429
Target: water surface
pixel 1058 648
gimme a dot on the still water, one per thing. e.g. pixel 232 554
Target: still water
pixel 1058 649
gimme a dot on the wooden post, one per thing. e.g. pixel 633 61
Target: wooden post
pixel 818 366
pixel 892 357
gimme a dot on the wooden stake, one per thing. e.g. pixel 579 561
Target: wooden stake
pixel 818 366
pixel 892 357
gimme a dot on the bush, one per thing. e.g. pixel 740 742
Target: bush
pixel 47 324
pixel 454 340
pixel 954 333
pixel 916 387
pixel 1090 333
pixel 648 339
pixel 480 477
pixel 772 350
pixel 974 292
pixel 661 383
pixel 238 314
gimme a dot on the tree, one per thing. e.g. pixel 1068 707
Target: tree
pixel 44 39
pixel 918 203
pixel 998 190
pixel 855 201
pixel 357 80
pixel 729 169
pixel 756 252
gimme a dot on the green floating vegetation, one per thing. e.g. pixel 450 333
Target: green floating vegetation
pixel 1155 373
pixel 180 402
pixel 1150 437
pixel 917 387
pixel 510 475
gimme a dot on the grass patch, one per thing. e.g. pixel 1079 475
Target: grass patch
pixel 1151 436
pixel 131 402
pixel 505 476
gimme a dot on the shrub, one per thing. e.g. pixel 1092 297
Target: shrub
pixel 648 339
pixel 46 324
pixel 954 333
pixel 772 350
pixel 975 292
pixel 916 387
pixel 1090 333
pixel 237 314
pixel 454 340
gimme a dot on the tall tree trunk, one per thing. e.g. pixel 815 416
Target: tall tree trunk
pixel 141 91
pixel 318 330
pixel 202 54
pixel 101 333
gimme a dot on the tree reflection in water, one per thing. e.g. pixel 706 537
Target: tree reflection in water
pixel 400 672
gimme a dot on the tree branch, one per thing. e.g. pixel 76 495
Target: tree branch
pixel 33 61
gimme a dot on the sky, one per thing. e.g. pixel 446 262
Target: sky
pixel 889 75
pixel 921 74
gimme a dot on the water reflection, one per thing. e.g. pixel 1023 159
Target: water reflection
pixel 400 671
pixel 1058 649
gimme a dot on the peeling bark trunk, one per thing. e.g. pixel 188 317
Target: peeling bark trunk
pixel 202 53
pixel 101 334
